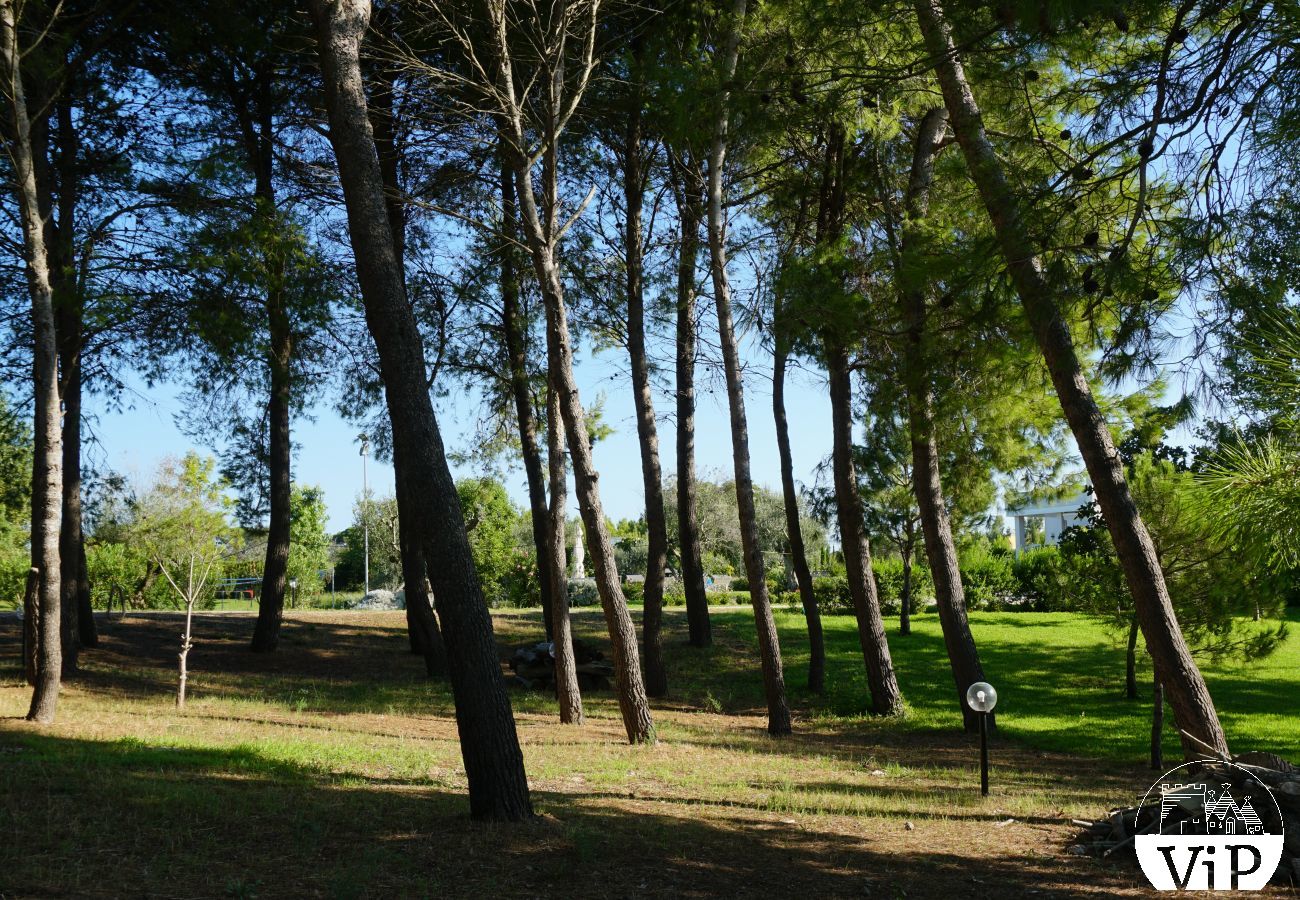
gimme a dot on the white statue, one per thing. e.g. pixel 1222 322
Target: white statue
pixel 579 554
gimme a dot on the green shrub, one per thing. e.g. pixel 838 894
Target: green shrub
pixel 583 592
pixel 634 592
pixel 889 584
pixel 832 594
pixel 988 578
pixel 740 583
pixel 1038 573
pixel 13 577
pixel 674 592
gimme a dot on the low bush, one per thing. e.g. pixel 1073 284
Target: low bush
pixel 674 592
pixel 889 584
pixel 988 578
pixel 832 595
pixel 634 592
pixel 582 592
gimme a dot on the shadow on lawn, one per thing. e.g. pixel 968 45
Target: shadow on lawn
pixel 99 818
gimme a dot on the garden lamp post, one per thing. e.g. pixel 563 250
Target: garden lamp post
pixel 981 697
pixel 365 505
pixel 293 589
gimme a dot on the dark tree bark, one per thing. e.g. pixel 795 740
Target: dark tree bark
pixel 936 526
pixel 769 644
pixel 424 635
pixel 656 675
pixel 31 626
pixel 515 328
pixel 905 600
pixel 75 582
pixel 886 698
pixel 259 141
pixel 270 607
pixel 1187 693
pixel 794 531
pixel 567 693
pixel 1130 662
pixel 78 616
pixel 47 461
pixel 494 767
pixel 1157 724
pixel 423 630
pixel 690 211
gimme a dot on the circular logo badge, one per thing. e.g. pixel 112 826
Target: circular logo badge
pixel 1209 826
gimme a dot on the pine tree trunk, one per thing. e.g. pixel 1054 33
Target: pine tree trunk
pixel 515 328
pixel 567 694
pixel 690 208
pixel 1157 724
pixel 70 536
pixel 47 461
pixel 1130 662
pixel 260 144
pixel 424 635
pixel 78 615
pixel 423 631
pixel 905 598
pixel 539 233
pixel 886 698
pixel 270 607
pixel 656 675
pixel 936 526
pixel 632 700
pixel 769 644
pixel 31 625
pixel 1188 695
pixel 794 531
pixel 494 766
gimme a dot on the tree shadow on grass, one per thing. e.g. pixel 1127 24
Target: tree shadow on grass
pixel 110 818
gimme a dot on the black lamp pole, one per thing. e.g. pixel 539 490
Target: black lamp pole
pixel 981 697
pixel 984 753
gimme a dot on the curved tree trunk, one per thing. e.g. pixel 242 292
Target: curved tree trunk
pixel 1187 693
pixel 936 526
pixel 886 698
pixel 515 328
pixel 567 693
pixel 541 235
pixel 794 531
pixel 494 766
pixel 656 675
pixel 47 462
pixel 690 210
pixel 769 644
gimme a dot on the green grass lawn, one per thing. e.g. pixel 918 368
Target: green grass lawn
pixel 1059 676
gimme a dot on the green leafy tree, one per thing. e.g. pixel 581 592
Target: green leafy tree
pixel 309 544
pixel 183 524
pixel 491 521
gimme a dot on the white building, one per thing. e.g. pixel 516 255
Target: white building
pixel 1041 522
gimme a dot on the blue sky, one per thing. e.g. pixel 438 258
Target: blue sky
pixel 133 441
